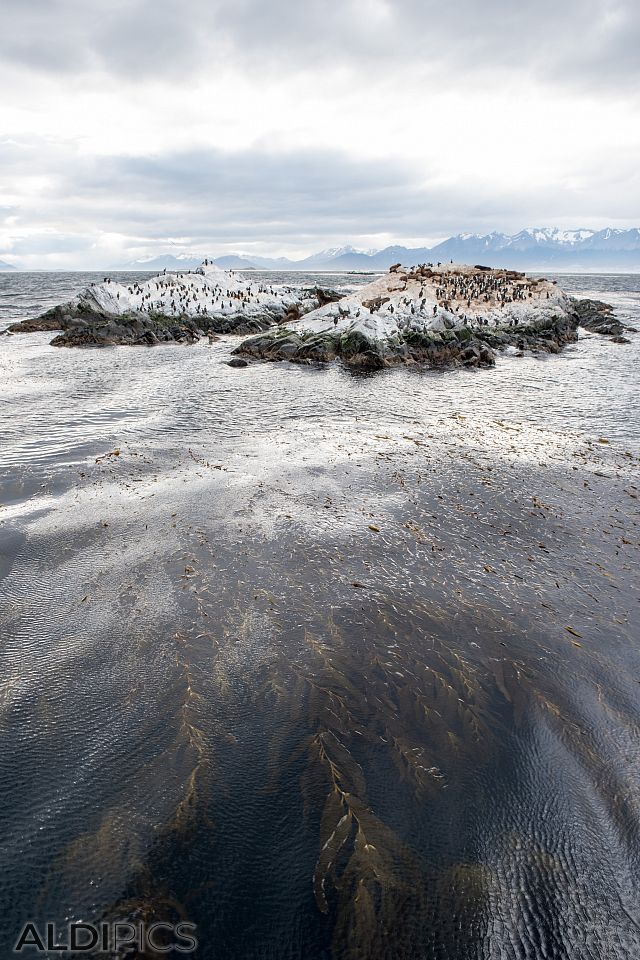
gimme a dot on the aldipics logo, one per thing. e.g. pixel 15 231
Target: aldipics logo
pixel 117 939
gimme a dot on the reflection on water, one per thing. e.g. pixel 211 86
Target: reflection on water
pixel 332 666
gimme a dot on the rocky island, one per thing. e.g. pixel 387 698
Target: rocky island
pixel 173 307
pixel 436 315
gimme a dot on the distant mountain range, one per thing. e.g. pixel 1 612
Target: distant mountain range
pixel 545 248
pixel 541 249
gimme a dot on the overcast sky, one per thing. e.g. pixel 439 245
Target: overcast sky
pixel 135 127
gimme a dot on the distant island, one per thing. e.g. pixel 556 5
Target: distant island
pixel 533 249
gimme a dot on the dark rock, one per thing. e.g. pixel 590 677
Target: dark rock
pixel 463 334
pixel 51 320
pixel 470 347
pixel 236 362
pixel 487 356
pixel 598 317
pixel 470 356
pixel 358 350
pixel 321 349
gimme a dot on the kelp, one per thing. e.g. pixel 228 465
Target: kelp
pixel 386 693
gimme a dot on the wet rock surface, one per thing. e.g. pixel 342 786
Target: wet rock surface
pixel 97 330
pixel 464 347
pixel 91 328
pixel 598 317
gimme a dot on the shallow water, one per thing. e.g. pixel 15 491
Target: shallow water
pixel 294 664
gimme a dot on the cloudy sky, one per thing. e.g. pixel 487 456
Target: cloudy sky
pixel 136 127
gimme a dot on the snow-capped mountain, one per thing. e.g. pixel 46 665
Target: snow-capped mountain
pixel 545 247
pixel 169 261
pixel 548 236
pixel 542 248
pixel 325 258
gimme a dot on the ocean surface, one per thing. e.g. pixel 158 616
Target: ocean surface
pixel 334 665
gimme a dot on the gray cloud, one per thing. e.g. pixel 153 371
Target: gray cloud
pixel 215 199
pixel 518 68
pixel 212 194
pixel 589 42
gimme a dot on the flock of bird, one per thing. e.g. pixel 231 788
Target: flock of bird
pixel 199 293
pixel 459 295
pixel 434 297
pixel 421 297
pixel 480 291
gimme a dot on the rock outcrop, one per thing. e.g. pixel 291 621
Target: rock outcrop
pixel 174 307
pixel 436 316
pixel 596 316
pixel 433 315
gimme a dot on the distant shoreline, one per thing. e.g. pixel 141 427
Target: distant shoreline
pixel 335 273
